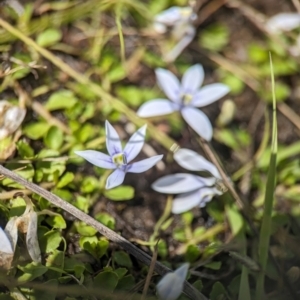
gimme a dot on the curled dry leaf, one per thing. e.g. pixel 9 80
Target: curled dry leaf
pixel 11 117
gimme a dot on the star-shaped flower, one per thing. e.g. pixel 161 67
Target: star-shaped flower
pixel 193 190
pixel 185 97
pixel 171 285
pixel 180 21
pixel 119 158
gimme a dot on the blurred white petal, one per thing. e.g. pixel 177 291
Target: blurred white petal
pixel 169 16
pixel 180 183
pixel 115 178
pixel 283 22
pixel 192 79
pixel 185 202
pixel 97 158
pixel 192 161
pixel 206 194
pixel 171 285
pixel 144 165
pixel 5 245
pixel 184 38
pixel 209 94
pixel 113 143
pixel 156 107
pixel 169 83
pixel 198 121
pixel 135 144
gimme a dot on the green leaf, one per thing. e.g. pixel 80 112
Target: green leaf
pixel 106 281
pixel 31 272
pixel 120 193
pixel 84 229
pixel 126 283
pixel 57 222
pixel 218 292
pixel 36 130
pixel 215 37
pixel 47 290
pixel 61 100
pixel 192 253
pixel 122 259
pixel 49 37
pixel 54 138
pixel 25 151
pixel 50 241
pixel 106 220
pixel 65 180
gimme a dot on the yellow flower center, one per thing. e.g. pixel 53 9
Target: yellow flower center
pixel 186 98
pixel 119 159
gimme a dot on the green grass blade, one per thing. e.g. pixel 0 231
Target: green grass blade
pixel 265 232
pixel 237 226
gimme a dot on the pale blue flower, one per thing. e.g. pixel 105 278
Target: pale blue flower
pixel 119 158
pixel 171 285
pixel 180 21
pixel 5 243
pixel 193 190
pixel 185 97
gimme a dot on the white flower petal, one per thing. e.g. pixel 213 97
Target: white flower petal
pixel 135 144
pixel 209 94
pixel 198 121
pixel 206 194
pixel 171 285
pixel 180 183
pixel 169 84
pixel 144 165
pixel 113 143
pixel 186 201
pixel 97 158
pixel 169 16
pixel 156 107
pixel 192 161
pixel 182 271
pixel 115 178
pixel 5 245
pixel 183 41
pixel 283 22
pixel 192 79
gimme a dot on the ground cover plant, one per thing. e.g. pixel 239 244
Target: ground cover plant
pixel 128 174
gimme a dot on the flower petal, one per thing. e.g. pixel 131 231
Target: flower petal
pixel 113 143
pixel 198 121
pixel 156 107
pixel 5 245
pixel 180 183
pixel 192 161
pixel 283 22
pixel 169 84
pixel 171 285
pixel 135 144
pixel 169 16
pixel 115 178
pixel 185 202
pixel 209 94
pixel 144 165
pixel 188 36
pixel 206 194
pixel 97 158
pixel 192 79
